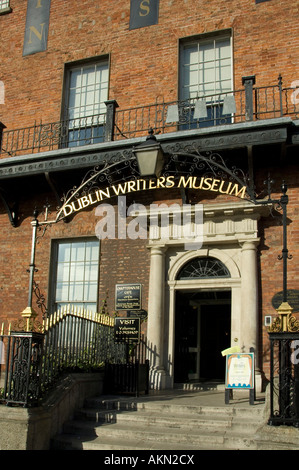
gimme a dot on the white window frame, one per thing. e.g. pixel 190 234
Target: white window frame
pixel 199 70
pixel 202 99
pixel 86 90
pixel 75 273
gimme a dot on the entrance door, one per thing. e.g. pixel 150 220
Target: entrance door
pixel 202 332
pixel 214 337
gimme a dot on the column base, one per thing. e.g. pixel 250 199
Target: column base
pixel 258 381
pixel 157 378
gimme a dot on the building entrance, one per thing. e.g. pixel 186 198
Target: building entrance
pixel 202 331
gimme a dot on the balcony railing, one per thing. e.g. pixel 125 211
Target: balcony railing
pixel 247 104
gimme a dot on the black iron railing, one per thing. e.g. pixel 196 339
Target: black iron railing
pixel 284 379
pixel 32 362
pixel 246 104
pixel 131 376
pixel 51 136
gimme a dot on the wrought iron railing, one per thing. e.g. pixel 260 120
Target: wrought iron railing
pixel 132 376
pixel 284 379
pixel 42 137
pixel 248 103
pixel 32 362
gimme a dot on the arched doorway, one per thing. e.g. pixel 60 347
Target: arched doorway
pixel 202 323
pixel 229 236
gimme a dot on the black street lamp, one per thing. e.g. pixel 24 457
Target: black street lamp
pixel 149 156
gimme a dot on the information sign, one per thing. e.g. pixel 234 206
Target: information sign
pixel 128 297
pixel 240 371
pixel 127 330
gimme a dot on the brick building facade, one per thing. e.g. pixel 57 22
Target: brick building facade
pixel 82 82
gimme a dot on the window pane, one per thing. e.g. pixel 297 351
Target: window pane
pixel 78 251
pixel 76 272
pixel 75 292
pixel 62 292
pixel 92 251
pixel 63 272
pixel 75 78
pixel 90 291
pixel 64 252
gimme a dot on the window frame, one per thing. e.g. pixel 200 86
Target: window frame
pixel 213 108
pixel 53 302
pixel 80 127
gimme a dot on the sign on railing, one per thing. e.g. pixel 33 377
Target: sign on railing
pixel 127 330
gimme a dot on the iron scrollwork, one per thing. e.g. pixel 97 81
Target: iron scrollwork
pixel 188 159
pixel 284 383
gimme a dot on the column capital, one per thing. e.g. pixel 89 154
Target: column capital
pixel 158 249
pixel 249 244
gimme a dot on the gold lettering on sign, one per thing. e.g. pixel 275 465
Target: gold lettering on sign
pixel 192 182
pixel 39 4
pixel 144 5
pixel 38 34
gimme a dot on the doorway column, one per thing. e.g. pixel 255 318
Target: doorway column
pixel 249 300
pixel 155 323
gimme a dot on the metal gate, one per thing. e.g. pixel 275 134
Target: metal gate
pixel 284 379
pixel 131 377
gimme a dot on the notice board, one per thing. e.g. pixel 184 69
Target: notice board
pixel 128 297
pixel 240 371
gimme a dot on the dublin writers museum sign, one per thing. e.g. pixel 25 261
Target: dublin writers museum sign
pixel 191 182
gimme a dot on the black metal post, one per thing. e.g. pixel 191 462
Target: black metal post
pixel 285 252
pixel 32 267
pixel 280 94
pixel 28 313
pixel 2 126
pixel 248 83
pixel 110 119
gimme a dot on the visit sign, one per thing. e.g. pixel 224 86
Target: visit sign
pixel 127 330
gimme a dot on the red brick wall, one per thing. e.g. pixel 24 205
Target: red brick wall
pixel 144 62
pixel 124 261
pixel 143 67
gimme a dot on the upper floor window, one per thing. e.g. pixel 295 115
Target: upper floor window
pixel 85 110
pixel 206 76
pixel 75 271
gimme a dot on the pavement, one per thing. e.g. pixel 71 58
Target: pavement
pixel 214 397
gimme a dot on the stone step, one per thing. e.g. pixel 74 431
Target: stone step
pixel 167 408
pixel 277 438
pixel 126 423
pixel 146 438
pixel 183 421
pixel 73 442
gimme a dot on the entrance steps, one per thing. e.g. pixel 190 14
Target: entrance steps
pixel 176 422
